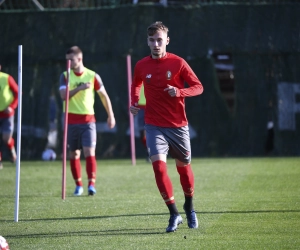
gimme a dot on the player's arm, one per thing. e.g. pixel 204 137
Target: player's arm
pixel 195 86
pixel 62 88
pixel 99 87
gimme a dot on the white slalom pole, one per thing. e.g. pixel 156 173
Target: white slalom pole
pixel 64 162
pixel 20 48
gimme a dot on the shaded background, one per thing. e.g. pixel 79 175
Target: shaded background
pixel 240 52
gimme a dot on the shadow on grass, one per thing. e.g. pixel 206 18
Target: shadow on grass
pixel 156 214
pixel 90 217
pixel 135 231
pixel 249 212
pixel 125 231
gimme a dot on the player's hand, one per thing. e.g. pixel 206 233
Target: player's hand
pixel 171 90
pixel 133 109
pixel 111 122
pixel 84 86
pixel 8 110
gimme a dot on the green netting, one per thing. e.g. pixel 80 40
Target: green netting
pixel 263 41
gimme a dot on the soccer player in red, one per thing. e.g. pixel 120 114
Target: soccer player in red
pixel 8 104
pixel 81 119
pixel 164 76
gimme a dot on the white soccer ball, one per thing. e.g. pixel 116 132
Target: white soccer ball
pixel 49 155
pixel 3 244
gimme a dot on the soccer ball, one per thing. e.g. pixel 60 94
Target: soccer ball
pixel 3 244
pixel 49 155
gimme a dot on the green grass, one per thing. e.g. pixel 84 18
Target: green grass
pixel 242 203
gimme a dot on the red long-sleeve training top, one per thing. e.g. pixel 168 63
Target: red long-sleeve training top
pixel 156 74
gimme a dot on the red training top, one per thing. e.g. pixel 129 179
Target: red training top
pixel 156 74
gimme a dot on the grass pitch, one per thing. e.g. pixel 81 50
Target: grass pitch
pixel 242 203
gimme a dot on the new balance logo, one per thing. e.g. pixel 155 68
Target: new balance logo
pixel 148 76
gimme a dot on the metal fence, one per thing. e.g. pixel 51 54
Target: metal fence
pixel 42 5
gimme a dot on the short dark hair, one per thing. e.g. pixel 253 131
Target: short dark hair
pixel 74 50
pixel 154 27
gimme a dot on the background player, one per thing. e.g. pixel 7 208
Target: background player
pixel 8 104
pixel 81 119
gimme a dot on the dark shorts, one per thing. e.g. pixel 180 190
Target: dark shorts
pixel 175 141
pixel 7 125
pixel 82 135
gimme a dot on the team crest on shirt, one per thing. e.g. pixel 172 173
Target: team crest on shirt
pixel 148 77
pixel 168 75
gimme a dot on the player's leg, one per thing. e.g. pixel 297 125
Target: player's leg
pixel 165 188
pixel 10 143
pixel 1 165
pixel 89 140
pixel 180 149
pixel 1 122
pixel 187 182
pixel 76 171
pixel 74 155
pixel 158 153
pixel 7 137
